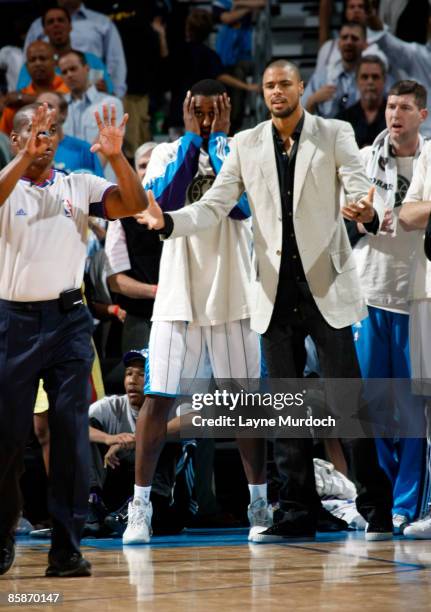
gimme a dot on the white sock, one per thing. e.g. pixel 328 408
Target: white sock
pixel 142 493
pixel 258 490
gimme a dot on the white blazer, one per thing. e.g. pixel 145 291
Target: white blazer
pixel 327 158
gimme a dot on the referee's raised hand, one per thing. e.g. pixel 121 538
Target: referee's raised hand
pixel 41 132
pixel 110 139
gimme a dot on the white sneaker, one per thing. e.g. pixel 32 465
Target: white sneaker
pixel 345 509
pixel 332 483
pixel 419 530
pixel 399 522
pixel 138 529
pixel 260 517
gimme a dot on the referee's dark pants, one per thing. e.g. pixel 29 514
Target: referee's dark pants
pixel 38 340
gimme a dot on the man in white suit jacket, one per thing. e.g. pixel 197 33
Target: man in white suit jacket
pixel 292 168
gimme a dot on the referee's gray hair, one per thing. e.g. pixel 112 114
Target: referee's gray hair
pixel 24 116
pixel 143 149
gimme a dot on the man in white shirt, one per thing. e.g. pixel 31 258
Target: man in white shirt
pixel 414 216
pixel 45 329
pixel 384 264
pixel 332 88
pixel 84 100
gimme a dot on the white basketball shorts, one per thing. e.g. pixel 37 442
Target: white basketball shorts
pixel 181 351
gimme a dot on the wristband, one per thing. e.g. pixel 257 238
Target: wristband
pixel 115 310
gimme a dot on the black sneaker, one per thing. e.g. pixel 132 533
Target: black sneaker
pixel 116 521
pixel 377 532
pixel 74 565
pixel 7 553
pixel 327 522
pixel 283 532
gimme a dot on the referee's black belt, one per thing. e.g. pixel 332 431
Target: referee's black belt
pixel 68 300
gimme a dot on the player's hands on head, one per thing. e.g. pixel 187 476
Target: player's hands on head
pixel 110 138
pixel 222 108
pixel 362 211
pixel 191 123
pixel 41 131
pixel 152 216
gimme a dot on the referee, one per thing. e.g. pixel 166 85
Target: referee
pixel 45 329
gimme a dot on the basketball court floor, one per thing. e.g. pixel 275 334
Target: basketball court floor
pixel 218 570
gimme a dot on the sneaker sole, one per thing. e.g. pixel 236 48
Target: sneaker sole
pixel 378 537
pixel 417 536
pixel 40 536
pixel 256 530
pixel 136 540
pixel 273 539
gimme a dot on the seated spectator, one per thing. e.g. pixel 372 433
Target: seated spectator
pixel 41 66
pixel 92 32
pixel 73 154
pixel 329 52
pixel 133 257
pixel 412 58
pixel 202 63
pixel 142 158
pixel 57 27
pixel 331 89
pixel 112 438
pixel 367 116
pixel 84 100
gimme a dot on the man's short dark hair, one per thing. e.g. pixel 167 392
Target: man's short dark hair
pixel 284 63
pixel 406 87
pixel 56 8
pixel 354 24
pixel 372 59
pixel 24 116
pixel 80 55
pixel 208 87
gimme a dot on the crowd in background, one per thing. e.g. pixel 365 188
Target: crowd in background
pixel 142 58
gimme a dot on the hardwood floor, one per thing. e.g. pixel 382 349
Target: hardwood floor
pixel 219 571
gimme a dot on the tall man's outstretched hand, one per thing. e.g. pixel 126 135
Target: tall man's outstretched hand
pixel 152 216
